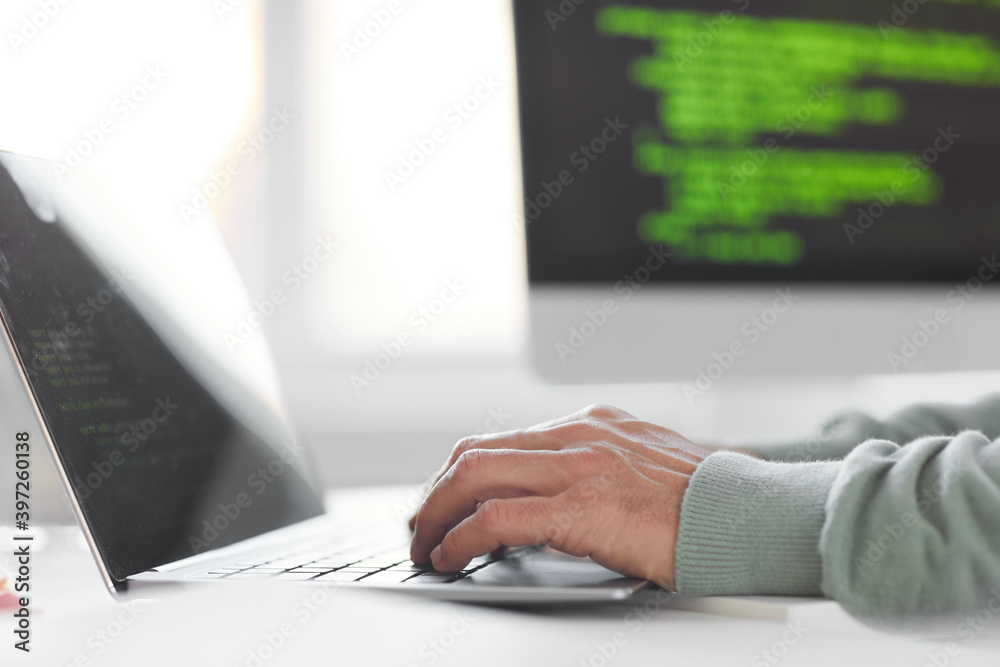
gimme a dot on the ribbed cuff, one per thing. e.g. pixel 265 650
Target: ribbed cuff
pixel 751 527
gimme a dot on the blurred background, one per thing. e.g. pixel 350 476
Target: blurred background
pixel 365 164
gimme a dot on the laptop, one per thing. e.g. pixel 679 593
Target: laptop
pixel 168 465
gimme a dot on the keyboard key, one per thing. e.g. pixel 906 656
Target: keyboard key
pixel 410 568
pixel 340 576
pixel 343 559
pixel 360 570
pixel 287 564
pixel 331 563
pixel 296 576
pixel 382 562
pixel 387 577
pixel 396 557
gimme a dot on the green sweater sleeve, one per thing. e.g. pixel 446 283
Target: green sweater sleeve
pixel 839 435
pixel 894 531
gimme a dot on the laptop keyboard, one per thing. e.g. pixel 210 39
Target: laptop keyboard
pixel 373 563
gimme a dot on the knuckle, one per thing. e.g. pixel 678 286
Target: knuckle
pixel 449 544
pixel 603 411
pixel 584 431
pixel 584 496
pixel 588 458
pixel 492 515
pixel 464 445
pixel 469 463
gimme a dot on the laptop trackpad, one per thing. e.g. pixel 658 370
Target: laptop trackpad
pixel 545 568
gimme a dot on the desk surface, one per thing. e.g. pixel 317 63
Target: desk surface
pixel 277 625
pixel 76 622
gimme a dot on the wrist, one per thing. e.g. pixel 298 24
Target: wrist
pixel 752 527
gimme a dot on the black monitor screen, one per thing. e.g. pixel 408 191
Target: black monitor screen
pixel 760 140
pixel 160 469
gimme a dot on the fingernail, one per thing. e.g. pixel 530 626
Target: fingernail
pixel 436 556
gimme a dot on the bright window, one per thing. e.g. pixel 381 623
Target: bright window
pixel 413 167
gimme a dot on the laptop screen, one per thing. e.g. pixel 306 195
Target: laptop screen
pixel 160 469
pixel 765 141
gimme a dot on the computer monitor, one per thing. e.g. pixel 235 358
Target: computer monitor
pixel 725 188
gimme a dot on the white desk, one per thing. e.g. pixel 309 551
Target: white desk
pixel 75 621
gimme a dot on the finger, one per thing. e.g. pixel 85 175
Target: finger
pixel 484 474
pixel 546 435
pixel 514 522
pixel 532 439
pixel 553 438
pixel 540 436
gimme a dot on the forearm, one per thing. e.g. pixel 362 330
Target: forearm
pixel 841 434
pixel 890 532
pixel 915 529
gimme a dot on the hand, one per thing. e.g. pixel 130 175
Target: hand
pixel 599 483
